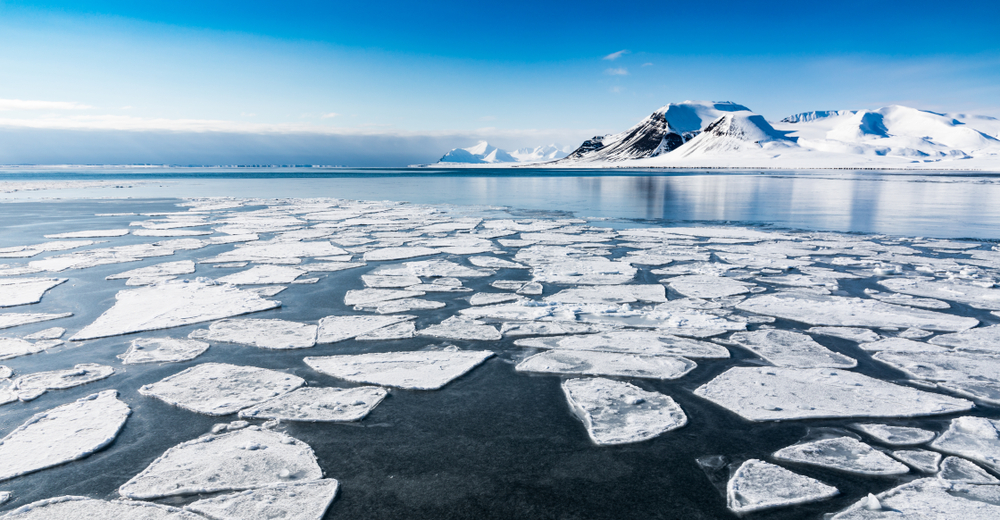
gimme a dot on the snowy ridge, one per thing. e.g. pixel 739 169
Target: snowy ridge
pixel 485 153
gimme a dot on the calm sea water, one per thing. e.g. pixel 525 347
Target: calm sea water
pixel 944 204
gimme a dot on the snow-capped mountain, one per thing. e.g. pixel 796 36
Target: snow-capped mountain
pixel 484 153
pixel 661 132
pixel 735 132
pixel 481 153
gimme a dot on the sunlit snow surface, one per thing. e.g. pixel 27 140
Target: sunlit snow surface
pixel 552 356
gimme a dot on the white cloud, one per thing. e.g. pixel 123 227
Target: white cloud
pixel 620 71
pixel 21 104
pixel 615 55
pixel 647 64
pixel 329 115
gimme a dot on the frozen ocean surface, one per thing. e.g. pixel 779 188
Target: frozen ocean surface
pixel 845 302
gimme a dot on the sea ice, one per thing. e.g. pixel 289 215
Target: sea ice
pixel 983 338
pixel 925 461
pixel 263 274
pixel 64 433
pixel 297 501
pixel 895 435
pixel 849 333
pixel 437 268
pixel 492 262
pixel 221 389
pixel 170 233
pixel 244 459
pixel 794 393
pixel 615 412
pixel 531 289
pixel 276 252
pixel 759 485
pixel 423 370
pixel 385 282
pixel 791 349
pixel 843 454
pixel 173 304
pixel 32 386
pixel 906 299
pixel 338 328
pixel 492 298
pixel 157 271
pixel 589 363
pixel 631 342
pixel 842 311
pixel 460 328
pixel 271 334
pixel 319 404
pixel 611 294
pixel 97 233
pixel 162 350
pixel 76 508
pixel 961 470
pixel 329 267
pixel 900 345
pixel 398 253
pixel 14 347
pixel 552 328
pixel 370 296
pixel 398 331
pixel 23 291
pixel 5 372
pixel 953 290
pixel 928 499
pixel 402 305
pixel 971 373
pixel 975 438
pixel 708 286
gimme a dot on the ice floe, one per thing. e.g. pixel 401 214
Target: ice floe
pixel 74 507
pixel 24 291
pixel 271 334
pixel 906 299
pixel 757 485
pixel 220 388
pixel 968 293
pixel 398 253
pixel 615 412
pixel 708 286
pixel 793 393
pixel 791 349
pixel 843 454
pixel 295 501
pixel 611 294
pixel 339 328
pixel 398 331
pixel 928 499
pixel 900 345
pixel 543 328
pixel 244 459
pixel 62 434
pixel 96 233
pixel 983 338
pixel 5 372
pixel 971 373
pixel 459 328
pixel 383 282
pixel 402 305
pixel 155 272
pixel 437 268
pixel 844 311
pixel 925 461
pixel 49 333
pixel 492 262
pixel 975 438
pixel 492 298
pixel 855 334
pixel 15 347
pixel 32 386
pixel 961 470
pixel 423 370
pixel 263 274
pixel 370 296
pixel 631 342
pixel 319 404
pixel 162 350
pixel 895 435
pixel 581 362
pixel 173 304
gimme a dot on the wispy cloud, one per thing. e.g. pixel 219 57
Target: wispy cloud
pixel 620 71
pixel 329 115
pixel 21 104
pixel 647 64
pixel 615 55
pixel 616 90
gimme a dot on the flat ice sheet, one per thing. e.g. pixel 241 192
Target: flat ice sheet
pixel 971 373
pixel 370 296
pixel 77 508
pixel 929 499
pixel 791 349
pixel 492 262
pixel 843 454
pixel 15 347
pixel 402 330
pixel 961 470
pixel 96 233
pixel 895 435
pixel 221 389
pixel 64 433
pixel 271 334
pixel 339 328
pixel 615 412
pixel 757 485
pixel 980 338
pixel 459 328
pixel 580 362
pixel 398 253
pixel 855 334
pixel 24 291
pixel 925 461
pixel 158 270
pixel 13 319
pixel 319 404
pixel 294 501
pixel 631 342
pixel 243 459
pixel 975 438
pixel 162 350
pixel 422 370
pixel 173 304
pixel 263 274
pixel 794 393
pixel 708 286
pixel 842 311
pixel 32 386
pixel 654 293
pixel 951 290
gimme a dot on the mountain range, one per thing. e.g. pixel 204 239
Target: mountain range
pixel 485 153
pixel 726 134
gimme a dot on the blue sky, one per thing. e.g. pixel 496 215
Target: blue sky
pixel 445 74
